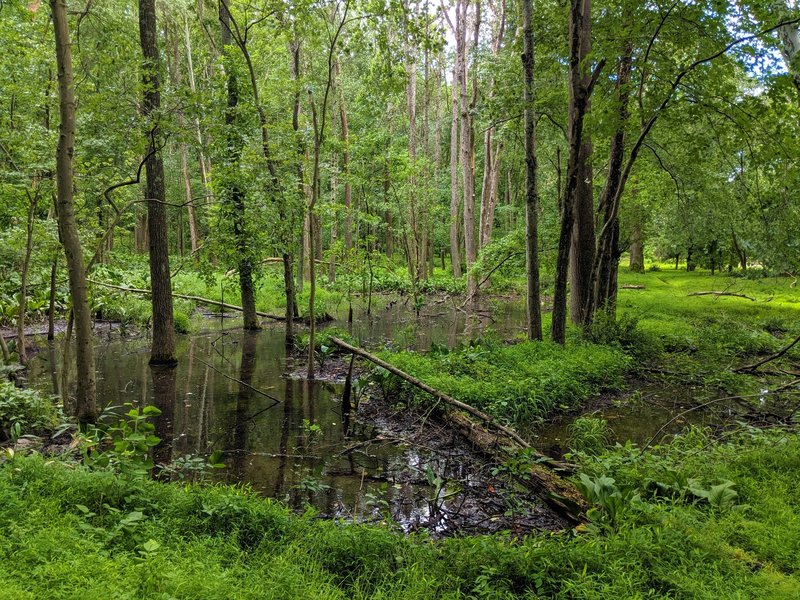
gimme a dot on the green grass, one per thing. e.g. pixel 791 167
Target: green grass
pixel 520 383
pixel 737 326
pixel 64 537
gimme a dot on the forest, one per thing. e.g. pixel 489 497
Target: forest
pixel 399 299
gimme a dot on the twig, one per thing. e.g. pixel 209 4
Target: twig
pixel 775 356
pixel 722 294
pixel 240 382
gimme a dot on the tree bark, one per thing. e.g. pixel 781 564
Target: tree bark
pixel 197 129
pixel 348 186
pixel 183 150
pixel 455 197
pixel 491 151
pixel 33 200
pixel 582 246
pixel 86 401
pixel 163 348
pixel 579 93
pixel 606 261
pixel 467 142
pixel 533 303
pixel 415 258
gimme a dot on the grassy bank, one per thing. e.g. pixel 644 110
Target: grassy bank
pixel 521 383
pixel 72 533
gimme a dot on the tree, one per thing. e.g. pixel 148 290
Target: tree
pixel 534 310
pixel 163 347
pixel 86 401
pixel 233 194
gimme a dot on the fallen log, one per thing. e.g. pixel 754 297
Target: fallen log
pixel 501 444
pixel 320 318
pixel 632 287
pixel 734 294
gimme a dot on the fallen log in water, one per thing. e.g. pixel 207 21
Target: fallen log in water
pixel 501 444
pixel 320 318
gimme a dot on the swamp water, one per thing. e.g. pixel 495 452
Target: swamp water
pixel 286 437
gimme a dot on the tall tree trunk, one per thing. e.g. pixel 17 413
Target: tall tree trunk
pixel 176 76
pixel 348 186
pixel 291 295
pixel 334 228
pixel 235 200
pixel 414 246
pixel 491 183
pixel 579 93
pixel 604 269
pixel 582 246
pixel 467 142
pixel 533 303
pixel 163 348
pixel 491 153
pixel 33 201
pixel 86 401
pixel 197 129
pixel 455 197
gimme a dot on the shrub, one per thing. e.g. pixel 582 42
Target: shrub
pixel 25 411
pixel 590 435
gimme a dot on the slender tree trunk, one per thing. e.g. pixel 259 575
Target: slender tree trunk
pixel 176 74
pixel 491 183
pixel 86 403
pixel 491 151
pixel 740 253
pixel 636 250
pixel 455 197
pixel 197 129
pixel 414 246
pixel 51 309
pixel 348 186
pixel 334 228
pixel 291 290
pixel 468 146
pixel 163 348
pixel 33 201
pixel 235 201
pixel 533 303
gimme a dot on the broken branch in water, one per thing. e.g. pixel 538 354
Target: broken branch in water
pixel 240 382
pixel 556 491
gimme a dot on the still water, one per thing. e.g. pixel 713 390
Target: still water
pixel 286 437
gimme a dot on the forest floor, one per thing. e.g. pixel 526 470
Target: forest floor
pixel 711 512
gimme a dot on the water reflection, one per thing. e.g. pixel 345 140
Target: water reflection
pixel 288 437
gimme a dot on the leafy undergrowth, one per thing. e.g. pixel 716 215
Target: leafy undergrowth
pixel 520 383
pixel 73 533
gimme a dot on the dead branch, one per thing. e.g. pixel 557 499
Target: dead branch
pixel 556 491
pixel 186 297
pixel 775 356
pixel 723 294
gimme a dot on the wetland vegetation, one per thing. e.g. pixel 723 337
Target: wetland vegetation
pixel 358 300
